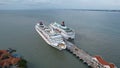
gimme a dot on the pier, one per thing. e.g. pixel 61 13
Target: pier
pixel 88 59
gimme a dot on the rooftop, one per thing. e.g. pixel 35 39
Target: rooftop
pixel 103 62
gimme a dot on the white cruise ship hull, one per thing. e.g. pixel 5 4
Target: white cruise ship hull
pixel 47 40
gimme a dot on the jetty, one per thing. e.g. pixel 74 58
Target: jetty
pixel 91 61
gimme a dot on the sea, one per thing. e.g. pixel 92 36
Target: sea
pixel 97 33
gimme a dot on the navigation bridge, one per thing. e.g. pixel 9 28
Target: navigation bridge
pixel 94 62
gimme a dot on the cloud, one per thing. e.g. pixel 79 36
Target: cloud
pixel 26 4
pixel 2 3
pixel 23 1
pixel 77 4
pixel 8 1
pixel 92 4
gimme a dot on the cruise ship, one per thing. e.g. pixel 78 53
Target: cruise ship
pixel 65 31
pixel 51 37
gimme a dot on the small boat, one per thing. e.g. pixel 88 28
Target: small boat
pixel 65 31
pixel 50 36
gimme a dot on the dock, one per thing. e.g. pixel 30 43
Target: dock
pixel 82 55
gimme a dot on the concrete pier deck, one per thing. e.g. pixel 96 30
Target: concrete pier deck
pixel 88 59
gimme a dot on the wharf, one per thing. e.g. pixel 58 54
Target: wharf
pixel 82 55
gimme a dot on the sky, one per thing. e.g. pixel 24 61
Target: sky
pixel 60 4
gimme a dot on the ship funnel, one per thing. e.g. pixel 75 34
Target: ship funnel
pixel 63 24
pixel 40 23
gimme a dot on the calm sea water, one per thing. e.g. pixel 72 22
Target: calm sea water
pixel 98 33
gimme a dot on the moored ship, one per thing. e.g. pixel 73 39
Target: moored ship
pixel 65 31
pixel 51 37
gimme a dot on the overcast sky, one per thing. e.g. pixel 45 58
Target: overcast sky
pixel 60 4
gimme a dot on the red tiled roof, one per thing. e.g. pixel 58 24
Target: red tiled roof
pixel 103 62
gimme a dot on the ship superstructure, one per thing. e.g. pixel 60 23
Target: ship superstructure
pixel 65 31
pixel 51 37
